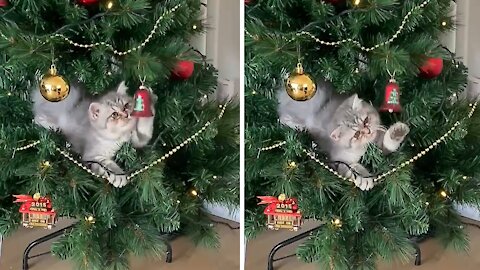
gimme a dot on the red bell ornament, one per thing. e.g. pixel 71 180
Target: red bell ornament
pixel 391 103
pixel 143 103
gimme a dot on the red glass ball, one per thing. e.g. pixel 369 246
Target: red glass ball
pixel 183 70
pixel 431 68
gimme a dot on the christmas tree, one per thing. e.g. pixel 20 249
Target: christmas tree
pixel 359 46
pixel 192 158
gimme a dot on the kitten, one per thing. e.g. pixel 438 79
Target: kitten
pixel 343 127
pixel 97 127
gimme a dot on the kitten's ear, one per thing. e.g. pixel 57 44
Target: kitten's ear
pixel 335 135
pixel 122 88
pixel 356 102
pixel 94 111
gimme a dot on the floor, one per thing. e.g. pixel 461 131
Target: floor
pixel 434 257
pixel 185 254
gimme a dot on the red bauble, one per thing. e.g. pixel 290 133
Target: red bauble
pixel 391 103
pixel 143 103
pixel 88 2
pixel 4 3
pixel 183 70
pixel 431 68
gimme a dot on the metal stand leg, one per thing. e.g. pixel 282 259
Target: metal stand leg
pixel 418 253
pixel 285 243
pixel 169 253
pixel 26 253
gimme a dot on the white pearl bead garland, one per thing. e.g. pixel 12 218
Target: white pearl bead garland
pixel 129 177
pixel 402 165
pixel 103 43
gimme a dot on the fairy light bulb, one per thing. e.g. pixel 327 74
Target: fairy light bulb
pixel 194 192
pixel 427 203
pixel 292 165
pixel 337 222
pixel 356 2
pixel 443 193
pixel 444 23
pixel 194 27
pixel 109 4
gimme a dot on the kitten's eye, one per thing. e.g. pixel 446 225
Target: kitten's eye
pixel 115 115
pixel 365 122
pixel 126 107
pixel 357 134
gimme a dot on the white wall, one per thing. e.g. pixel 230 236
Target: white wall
pixel 221 45
pixel 467 47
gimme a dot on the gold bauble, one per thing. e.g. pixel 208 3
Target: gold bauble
pixel 300 86
pixel 54 87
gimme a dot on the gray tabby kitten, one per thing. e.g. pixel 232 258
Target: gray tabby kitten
pixel 343 127
pixel 96 127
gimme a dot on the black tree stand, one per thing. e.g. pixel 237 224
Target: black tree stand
pixel 289 241
pixel 27 257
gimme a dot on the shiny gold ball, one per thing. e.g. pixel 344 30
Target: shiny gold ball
pixel 300 86
pixel 54 87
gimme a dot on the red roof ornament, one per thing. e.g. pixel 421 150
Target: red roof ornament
pixel 281 212
pixel 37 211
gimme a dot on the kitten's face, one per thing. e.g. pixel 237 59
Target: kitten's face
pixel 112 113
pixel 357 123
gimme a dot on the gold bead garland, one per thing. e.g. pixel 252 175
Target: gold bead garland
pixel 357 43
pixel 129 177
pixel 103 43
pixel 378 178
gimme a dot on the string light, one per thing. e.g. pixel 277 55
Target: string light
pixel 443 193
pixel 337 222
pixel 427 203
pixel 215 177
pixel 9 93
pixel 194 192
pixel 444 23
pixel 464 177
pixel 90 219
pixel 292 165
pixel 110 5
pixel 178 201
pixel 356 2
pixel 194 27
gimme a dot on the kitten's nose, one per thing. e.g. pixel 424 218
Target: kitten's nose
pixel 366 130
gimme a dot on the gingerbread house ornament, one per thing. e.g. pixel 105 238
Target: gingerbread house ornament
pixel 282 212
pixel 37 211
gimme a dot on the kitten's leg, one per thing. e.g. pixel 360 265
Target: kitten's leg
pixel 143 132
pixel 360 175
pixel 393 137
pixel 106 167
pixel 46 122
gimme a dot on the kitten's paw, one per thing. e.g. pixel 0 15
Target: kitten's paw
pixel 364 183
pixel 118 180
pixel 398 131
pixel 112 172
